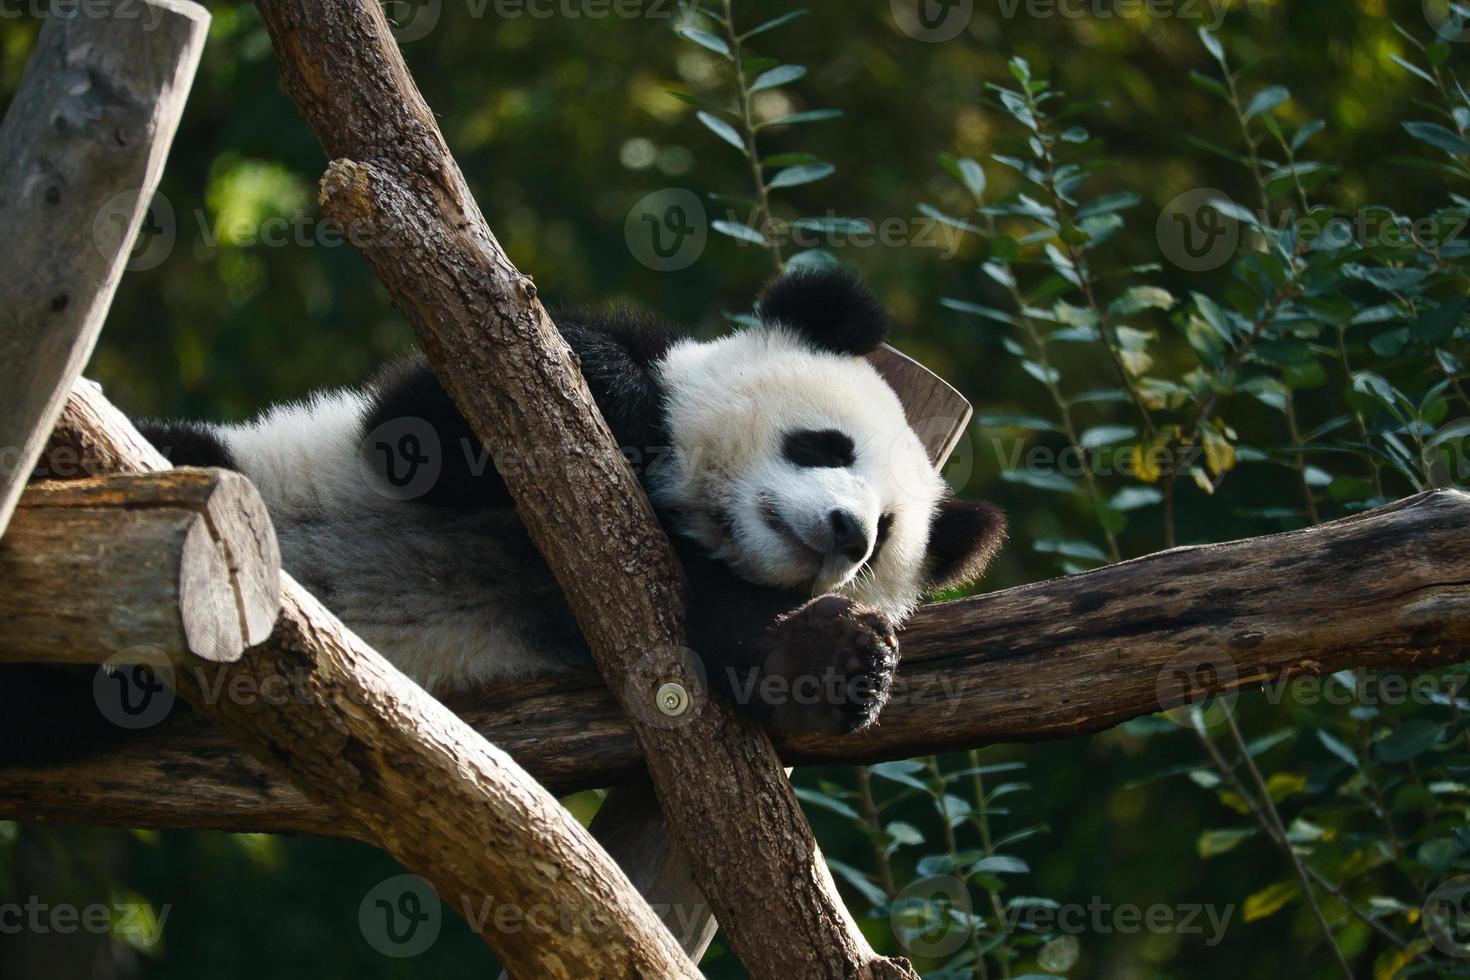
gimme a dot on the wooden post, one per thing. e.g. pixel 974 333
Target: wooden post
pixel 179 565
pixel 81 151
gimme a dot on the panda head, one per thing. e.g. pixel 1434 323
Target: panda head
pixel 793 461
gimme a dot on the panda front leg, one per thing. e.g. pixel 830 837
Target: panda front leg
pixel 826 668
pixel 801 665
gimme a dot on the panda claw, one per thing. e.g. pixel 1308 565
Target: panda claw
pixel 836 662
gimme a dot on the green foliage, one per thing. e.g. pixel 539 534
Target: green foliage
pixel 1362 313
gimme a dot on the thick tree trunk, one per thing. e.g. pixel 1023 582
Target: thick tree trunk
pixel 177 565
pixel 81 151
pixel 393 185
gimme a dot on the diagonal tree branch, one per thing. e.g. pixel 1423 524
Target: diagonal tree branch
pixel 502 360
pixel 316 705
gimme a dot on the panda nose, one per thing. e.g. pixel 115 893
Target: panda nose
pixel 848 537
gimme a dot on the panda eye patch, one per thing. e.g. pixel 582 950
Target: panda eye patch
pixel 824 448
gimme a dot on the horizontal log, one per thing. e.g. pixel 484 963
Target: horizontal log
pixel 1387 589
pixel 181 565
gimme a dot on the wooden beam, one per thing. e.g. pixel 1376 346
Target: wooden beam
pixel 177 565
pixel 1388 589
pixel 81 151
pixel 502 360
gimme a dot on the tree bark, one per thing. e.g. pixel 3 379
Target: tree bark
pixel 178 565
pixel 394 187
pixel 1387 589
pixel 81 151
pixel 317 705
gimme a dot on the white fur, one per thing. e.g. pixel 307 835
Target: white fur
pixel 453 599
pixel 730 404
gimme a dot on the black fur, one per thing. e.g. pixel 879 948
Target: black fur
pixel 963 538
pixel 829 307
pixel 409 390
pixel 185 443
pixel 616 350
pixel 825 449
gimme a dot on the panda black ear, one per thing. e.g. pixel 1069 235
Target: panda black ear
pixel 963 538
pixel 829 307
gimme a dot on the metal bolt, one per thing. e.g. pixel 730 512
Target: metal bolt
pixel 672 699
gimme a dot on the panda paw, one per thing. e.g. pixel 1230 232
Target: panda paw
pixel 828 668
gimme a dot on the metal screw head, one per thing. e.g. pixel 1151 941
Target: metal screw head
pixel 672 699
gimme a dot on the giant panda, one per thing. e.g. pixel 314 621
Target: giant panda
pixel 805 512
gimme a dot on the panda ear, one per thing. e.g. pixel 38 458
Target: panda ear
pixel 963 537
pixel 831 308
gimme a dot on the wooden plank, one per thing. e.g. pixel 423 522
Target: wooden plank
pixel 81 152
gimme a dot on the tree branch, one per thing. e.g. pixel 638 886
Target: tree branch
pixel 317 705
pixel 1387 589
pixel 394 186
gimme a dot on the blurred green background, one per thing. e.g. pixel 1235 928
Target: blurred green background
pixel 562 123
